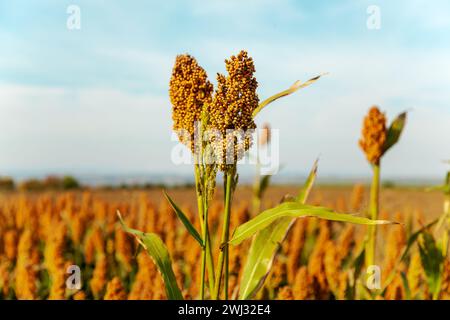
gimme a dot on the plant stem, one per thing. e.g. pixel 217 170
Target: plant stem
pixel 223 255
pixel 206 245
pixel 445 220
pixel 206 250
pixel 374 208
pixel 256 200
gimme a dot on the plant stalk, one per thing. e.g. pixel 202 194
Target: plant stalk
pixel 205 230
pixel 374 208
pixel 207 259
pixel 256 200
pixel 223 255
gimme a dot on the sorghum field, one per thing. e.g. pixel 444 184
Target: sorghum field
pixel 43 233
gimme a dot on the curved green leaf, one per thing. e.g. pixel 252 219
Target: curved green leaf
pixel 190 228
pixel 394 131
pixel 432 262
pixel 411 240
pixel 260 257
pixel 263 185
pixel 160 255
pixel 406 285
pixel 306 190
pixel 295 210
pixel 265 246
pixel 297 85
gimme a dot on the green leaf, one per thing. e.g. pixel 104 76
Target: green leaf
pixel 263 184
pixel 411 240
pixel 296 86
pixel 274 228
pixel 432 262
pixel 445 187
pixel 265 246
pixel 358 263
pixel 305 191
pixel 295 210
pixel 394 131
pixel 262 252
pixel 406 286
pixel 160 255
pixel 190 228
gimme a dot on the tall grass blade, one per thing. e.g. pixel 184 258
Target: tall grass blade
pixel 295 210
pixel 153 244
pixel 411 240
pixel 394 131
pixel 296 86
pixel 432 262
pixel 190 228
pixel 265 246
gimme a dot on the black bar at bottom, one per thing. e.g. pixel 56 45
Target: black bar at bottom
pixel 131 310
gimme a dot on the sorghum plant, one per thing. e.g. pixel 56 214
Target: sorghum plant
pixel 217 127
pixel 374 142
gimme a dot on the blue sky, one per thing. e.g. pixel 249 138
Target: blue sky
pixel 96 99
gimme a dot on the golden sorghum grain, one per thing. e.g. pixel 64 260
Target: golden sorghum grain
pixel 303 285
pixel 189 90
pixel 115 290
pixel 231 110
pixel 99 276
pixel 373 135
pixel 10 239
pixel 285 293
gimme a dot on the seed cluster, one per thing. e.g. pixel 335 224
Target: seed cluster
pixel 231 109
pixel 373 135
pixel 189 90
pixel 229 113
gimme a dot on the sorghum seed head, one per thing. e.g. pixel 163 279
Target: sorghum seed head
pixel 373 135
pixel 189 90
pixel 231 109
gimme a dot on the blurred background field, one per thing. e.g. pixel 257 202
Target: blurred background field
pixel 44 232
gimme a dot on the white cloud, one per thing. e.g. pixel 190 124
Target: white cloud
pixel 85 113
pixel 61 129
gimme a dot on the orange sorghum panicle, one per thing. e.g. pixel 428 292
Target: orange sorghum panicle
pixel 285 293
pixel 99 276
pixel 26 272
pixel 123 249
pixel 316 266
pixel 445 289
pixel 5 277
pixel 10 239
pixel 189 90
pixel 303 285
pixel 231 110
pixel 373 135
pixel 296 244
pixel 357 197
pixel 80 295
pixel 115 290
